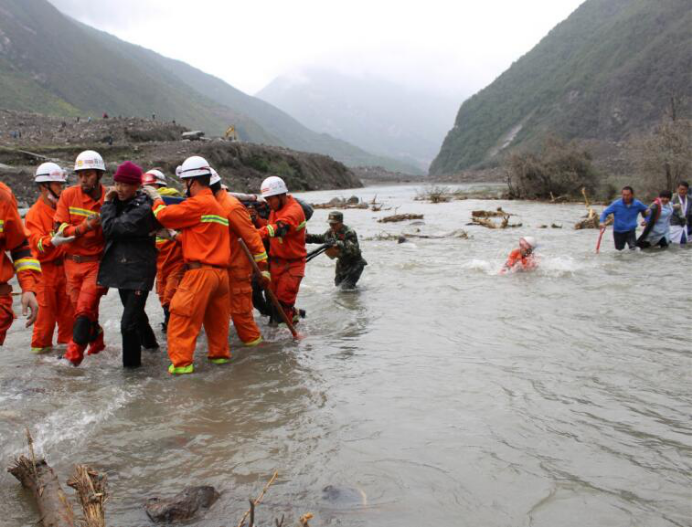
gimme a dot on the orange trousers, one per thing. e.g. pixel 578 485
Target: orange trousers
pixel 84 293
pixel 201 299
pixel 6 316
pixel 240 282
pixel 54 307
pixel 286 278
pixel 170 285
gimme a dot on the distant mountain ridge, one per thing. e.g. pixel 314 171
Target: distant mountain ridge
pixel 50 63
pixel 373 113
pixel 604 73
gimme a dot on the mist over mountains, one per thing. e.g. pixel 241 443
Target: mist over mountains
pixel 375 114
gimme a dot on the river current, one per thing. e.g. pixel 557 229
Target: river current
pixel 438 393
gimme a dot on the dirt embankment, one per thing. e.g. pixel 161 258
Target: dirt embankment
pixel 152 143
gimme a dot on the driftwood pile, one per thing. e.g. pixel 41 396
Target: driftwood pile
pixel 340 203
pixel 591 220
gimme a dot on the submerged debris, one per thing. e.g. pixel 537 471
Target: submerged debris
pixel 341 203
pixel 402 237
pixel 400 218
pixel 490 214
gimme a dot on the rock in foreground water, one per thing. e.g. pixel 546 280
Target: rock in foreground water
pixel 182 506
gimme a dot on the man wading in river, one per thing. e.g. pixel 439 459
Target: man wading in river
pixel 343 245
pixel 54 304
pixel 79 226
pixel 203 297
pixel 625 211
pixel 129 259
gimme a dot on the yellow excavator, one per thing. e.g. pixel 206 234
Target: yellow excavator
pixel 230 134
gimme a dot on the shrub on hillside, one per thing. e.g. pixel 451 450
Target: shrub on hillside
pixel 559 169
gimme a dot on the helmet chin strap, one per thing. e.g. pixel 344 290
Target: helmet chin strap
pixel 52 197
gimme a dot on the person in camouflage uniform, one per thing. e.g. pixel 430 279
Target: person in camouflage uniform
pixel 344 247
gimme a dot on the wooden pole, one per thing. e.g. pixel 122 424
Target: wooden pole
pixel 270 293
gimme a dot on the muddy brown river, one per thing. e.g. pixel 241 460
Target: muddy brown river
pixel 439 393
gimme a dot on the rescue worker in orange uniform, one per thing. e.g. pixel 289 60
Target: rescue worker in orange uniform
pixel 13 240
pixel 203 295
pixel 79 227
pixel 285 230
pixel 240 270
pixel 54 303
pixel 169 263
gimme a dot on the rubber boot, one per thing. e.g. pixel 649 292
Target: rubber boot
pixel 74 353
pixel 98 344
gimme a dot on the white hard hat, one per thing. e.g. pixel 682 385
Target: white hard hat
pixel 194 167
pixel 50 172
pixel 89 159
pixel 159 177
pixel 273 186
pixel 215 178
pixel 531 241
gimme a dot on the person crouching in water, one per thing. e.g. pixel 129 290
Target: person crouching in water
pixel 657 223
pixel 129 259
pixel 522 258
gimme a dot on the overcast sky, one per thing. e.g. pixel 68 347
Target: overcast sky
pixel 452 46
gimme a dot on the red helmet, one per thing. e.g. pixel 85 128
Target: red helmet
pixel 148 179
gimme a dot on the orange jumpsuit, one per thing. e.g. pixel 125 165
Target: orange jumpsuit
pixel 240 270
pixel 82 257
pixel 285 230
pixel 55 306
pixel 203 295
pixel 28 269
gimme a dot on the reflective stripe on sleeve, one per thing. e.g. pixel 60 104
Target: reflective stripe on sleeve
pixel 260 256
pixel 159 208
pixel 270 230
pixel 28 263
pixel 78 211
pixel 215 219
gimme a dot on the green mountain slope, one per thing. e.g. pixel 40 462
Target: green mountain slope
pixel 66 70
pixel 608 70
pixel 50 63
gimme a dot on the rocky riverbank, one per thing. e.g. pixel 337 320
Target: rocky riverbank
pixel 28 139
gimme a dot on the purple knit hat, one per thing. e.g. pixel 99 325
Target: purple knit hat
pixel 128 172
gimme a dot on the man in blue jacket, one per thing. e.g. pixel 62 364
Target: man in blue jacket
pixel 625 211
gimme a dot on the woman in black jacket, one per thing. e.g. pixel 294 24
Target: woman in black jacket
pixel 129 259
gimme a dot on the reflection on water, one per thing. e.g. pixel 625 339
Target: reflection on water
pixel 438 393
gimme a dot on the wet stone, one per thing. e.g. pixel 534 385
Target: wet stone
pixel 182 506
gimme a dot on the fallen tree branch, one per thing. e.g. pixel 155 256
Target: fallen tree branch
pixel 39 478
pixel 91 490
pixel 253 504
